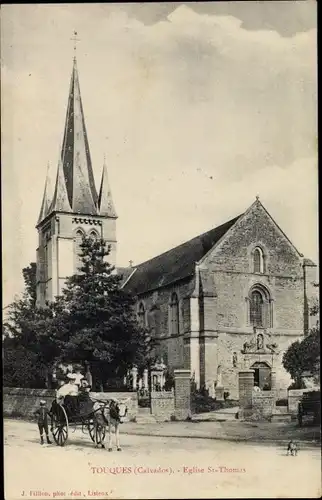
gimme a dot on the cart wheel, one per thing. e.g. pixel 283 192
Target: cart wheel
pixel 99 431
pixel 59 426
pixel 91 430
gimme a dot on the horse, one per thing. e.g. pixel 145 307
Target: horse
pixel 108 414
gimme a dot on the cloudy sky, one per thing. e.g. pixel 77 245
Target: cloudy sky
pixel 198 108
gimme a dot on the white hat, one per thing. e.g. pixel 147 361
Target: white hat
pixel 71 376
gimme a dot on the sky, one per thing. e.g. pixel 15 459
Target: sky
pixel 198 108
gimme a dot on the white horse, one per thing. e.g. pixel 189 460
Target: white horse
pixel 108 414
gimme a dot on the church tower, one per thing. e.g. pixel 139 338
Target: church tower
pixel 74 208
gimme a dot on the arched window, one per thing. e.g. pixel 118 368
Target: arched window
pixel 141 315
pixel 77 249
pixel 258 260
pixel 256 308
pixel 93 235
pixel 174 315
pixel 154 320
pixel 260 308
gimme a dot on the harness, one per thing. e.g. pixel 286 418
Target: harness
pixel 114 414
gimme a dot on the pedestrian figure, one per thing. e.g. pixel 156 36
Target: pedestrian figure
pixel 67 394
pixel 42 415
pixel 256 387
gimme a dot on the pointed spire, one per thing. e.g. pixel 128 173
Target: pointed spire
pixel 76 160
pixel 47 198
pixel 60 201
pixel 105 200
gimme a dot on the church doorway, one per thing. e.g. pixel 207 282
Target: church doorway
pixel 262 375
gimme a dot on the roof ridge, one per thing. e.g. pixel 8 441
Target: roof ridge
pixel 188 241
pixel 75 153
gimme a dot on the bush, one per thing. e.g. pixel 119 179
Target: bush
pixel 204 403
pixel 298 384
pixel 144 403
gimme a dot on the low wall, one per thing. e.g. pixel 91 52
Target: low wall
pixel 293 398
pixel 263 405
pixel 281 394
pixel 162 405
pixel 130 398
pixel 22 402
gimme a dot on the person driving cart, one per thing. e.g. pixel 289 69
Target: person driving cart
pixel 68 393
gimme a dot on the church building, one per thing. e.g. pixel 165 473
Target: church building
pixel 234 297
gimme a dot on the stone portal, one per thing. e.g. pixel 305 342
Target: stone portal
pixel 262 375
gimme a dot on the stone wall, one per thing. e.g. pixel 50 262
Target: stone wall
pixel 263 405
pixel 182 394
pixel 254 405
pixel 157 304
pixel 245 388
pixel 21 402
pixel 228 276
pixel 61 230
pixel 294 398
pixel 228 343
pixel 130 398
pixel 162 405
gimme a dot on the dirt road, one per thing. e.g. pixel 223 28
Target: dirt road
pixel 153 467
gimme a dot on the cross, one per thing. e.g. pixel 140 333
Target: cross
pixel 75 40
pixel 131 263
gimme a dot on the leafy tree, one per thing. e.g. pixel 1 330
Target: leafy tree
pixel 26 334
pixel 304 356
pixel 30 279
pixel 21 366
pixel 94 319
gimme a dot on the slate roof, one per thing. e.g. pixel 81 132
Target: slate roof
pixel 75 190
pixel 125 272
pixel 105 200
pixel 175 264
pixel 76 159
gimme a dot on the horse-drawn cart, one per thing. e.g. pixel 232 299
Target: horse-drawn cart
pixel 63 419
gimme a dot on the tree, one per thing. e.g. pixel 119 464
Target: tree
pixel 30 279
pixel 21 366
pixel 29 350
pixel 94 318
pixel 304 356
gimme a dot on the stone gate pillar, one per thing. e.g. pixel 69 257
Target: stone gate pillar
pixel 145 379
pixel 245 386
pixel 273 384
pixel 182 400
pixel 134 373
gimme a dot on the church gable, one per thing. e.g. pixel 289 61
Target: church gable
pixel 255 244
pixel 177 264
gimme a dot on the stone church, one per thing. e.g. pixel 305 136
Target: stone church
pixel 234 297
